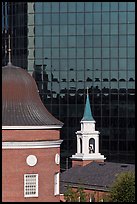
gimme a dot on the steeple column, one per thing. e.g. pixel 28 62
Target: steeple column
pixel 97 144
pixel 85 146
pixel 78 144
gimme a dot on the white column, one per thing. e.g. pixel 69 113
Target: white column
pixel 78 144
pixel 97 144
pixel 86 145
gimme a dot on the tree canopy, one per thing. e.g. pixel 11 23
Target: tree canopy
pixel 72 195
pixel 123 188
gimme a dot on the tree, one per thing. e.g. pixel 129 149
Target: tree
pixel 78 195
pixel 123 188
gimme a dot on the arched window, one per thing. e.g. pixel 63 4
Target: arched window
pixel 91 146
pixel 80 145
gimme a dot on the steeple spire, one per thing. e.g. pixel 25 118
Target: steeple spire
pixel 9 50
pixel 87 112
pixel 87 90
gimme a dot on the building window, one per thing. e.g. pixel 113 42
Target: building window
pixel 31 185
pixel 56 183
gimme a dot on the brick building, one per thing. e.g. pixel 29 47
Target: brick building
pixel 30 141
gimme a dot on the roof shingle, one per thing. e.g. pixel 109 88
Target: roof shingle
pixel 94 175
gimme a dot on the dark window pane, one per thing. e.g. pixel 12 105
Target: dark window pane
pixel 71 18
pixel 72 7
pixel 105 6
pixel 55 18
pixel 88 29
pixel 88 6
pixel 114 17
pixel 80 6
pixel 55 6
pixel 123 29
pixel 63 18
pixel 96 30
pixel 97 6
pixel 97 18
pixel 80 30
pixel 71 29
pixel 114 6
pixel 105 41
pixel 122 17
pixel 105 122
pixel 131 40
pixel 88 18
pixel 63 6
pixel 105 18
pixel 38 7
pixel 80 18
pixel 47 18
pixel 47 7
pixel 122 6
pixel 131 6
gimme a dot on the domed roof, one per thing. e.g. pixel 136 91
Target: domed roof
pixel 21 103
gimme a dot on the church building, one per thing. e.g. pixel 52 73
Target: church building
pixel 30 141
pixel 90 170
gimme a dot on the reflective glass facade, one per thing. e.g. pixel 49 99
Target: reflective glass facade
pixel 14 22
pixel 75 45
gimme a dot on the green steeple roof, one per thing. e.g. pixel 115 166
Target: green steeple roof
pixel 87 112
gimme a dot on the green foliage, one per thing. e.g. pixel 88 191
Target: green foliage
pixel 106 198
pixel 75 195
pixel 123 189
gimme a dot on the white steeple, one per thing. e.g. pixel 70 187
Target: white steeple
pixel 88 138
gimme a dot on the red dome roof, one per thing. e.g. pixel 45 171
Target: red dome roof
pixel 21 103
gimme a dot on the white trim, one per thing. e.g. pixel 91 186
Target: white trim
pixel 35 144
pixel 57 158
pixel 87 121
pixel 31 160
pixel 56 183
pixel 31 127
pixel 84 157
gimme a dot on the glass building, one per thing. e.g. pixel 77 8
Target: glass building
pixel 14 22
pixel 69 46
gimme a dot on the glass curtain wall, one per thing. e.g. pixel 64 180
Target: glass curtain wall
pixel 14 23
pixel 87 44
pixel 75 45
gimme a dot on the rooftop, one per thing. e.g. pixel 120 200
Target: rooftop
pixel 99 176
pixel 21 103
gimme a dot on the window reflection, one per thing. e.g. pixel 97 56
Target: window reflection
pixel 63 7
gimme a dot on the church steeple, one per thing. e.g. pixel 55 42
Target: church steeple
pixel 87 140
pixel 87 112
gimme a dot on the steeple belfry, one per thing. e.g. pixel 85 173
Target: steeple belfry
pixel 87 139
